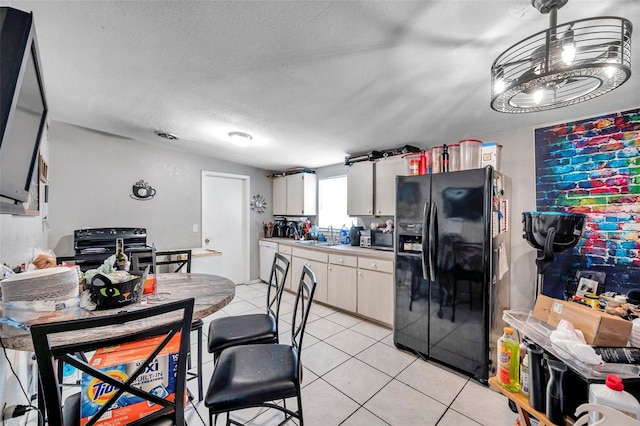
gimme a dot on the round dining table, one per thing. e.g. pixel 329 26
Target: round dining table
pixel 211 293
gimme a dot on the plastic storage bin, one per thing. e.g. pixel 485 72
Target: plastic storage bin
pixel 436 159
pixel 412 163
pixel 454 158
pixel 491 152
pixel 470 154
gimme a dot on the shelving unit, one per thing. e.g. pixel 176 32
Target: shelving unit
pixel 540 332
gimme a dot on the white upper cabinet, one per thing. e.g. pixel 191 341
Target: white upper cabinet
pixel 280 195
pixel 360 189
pixel 386 171
pixel 295 195
pixel 371 186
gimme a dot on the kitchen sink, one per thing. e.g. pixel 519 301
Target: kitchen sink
pixel 316 243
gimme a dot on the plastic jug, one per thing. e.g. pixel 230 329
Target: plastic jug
pixel 344 235
pixel 508 361
pixel 612 394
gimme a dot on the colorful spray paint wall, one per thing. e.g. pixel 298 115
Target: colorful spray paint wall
pixel 592 166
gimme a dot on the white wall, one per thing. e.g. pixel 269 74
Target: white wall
pixel 518 162
pixel 91 175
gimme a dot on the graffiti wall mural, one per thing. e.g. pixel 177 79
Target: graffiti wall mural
pixel 592 166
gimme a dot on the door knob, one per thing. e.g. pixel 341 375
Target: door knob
pixel 206 241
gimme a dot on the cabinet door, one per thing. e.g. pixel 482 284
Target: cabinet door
pixel 360 189
pixel 318 268
pixel 301 194
pixel 288 280
pixel 342 287
pixel 385 184
pixel 375 295
pixel 279 195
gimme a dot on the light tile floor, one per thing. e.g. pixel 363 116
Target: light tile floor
pixel 353 375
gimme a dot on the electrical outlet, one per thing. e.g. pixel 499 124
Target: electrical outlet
pixel 195 227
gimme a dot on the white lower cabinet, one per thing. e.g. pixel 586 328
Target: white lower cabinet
pixel 375 289
pixel 342 282
pixel 317 262
pixel 361 285
pixel 285 251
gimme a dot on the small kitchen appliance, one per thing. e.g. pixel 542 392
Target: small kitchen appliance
pixel 354 235
pixel 550 233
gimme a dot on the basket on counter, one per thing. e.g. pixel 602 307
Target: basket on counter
pixel 108 295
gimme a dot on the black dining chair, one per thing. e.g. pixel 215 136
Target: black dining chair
pixel 259 375
pixel 75 341
pixel 177 261
pixel 252 328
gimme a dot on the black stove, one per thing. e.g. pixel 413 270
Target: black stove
pixel 93 246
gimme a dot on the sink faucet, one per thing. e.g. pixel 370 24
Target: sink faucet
pixel 330 234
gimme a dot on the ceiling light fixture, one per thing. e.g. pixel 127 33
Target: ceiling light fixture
pixel 563 65
pixel 240 138
pixel 166 135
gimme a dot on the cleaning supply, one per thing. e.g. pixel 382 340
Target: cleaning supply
pixel 524 375
pixel 612 394
pixel 508 361
pixel 344 235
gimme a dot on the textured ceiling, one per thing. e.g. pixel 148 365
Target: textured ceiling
pixel 312 81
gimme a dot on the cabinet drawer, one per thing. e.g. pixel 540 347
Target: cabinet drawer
pixel 375 264
pixel 338 259
pixel 310 254
pixel 283 249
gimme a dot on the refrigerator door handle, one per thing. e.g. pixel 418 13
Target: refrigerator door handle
pixel 433 242
pixel 425 243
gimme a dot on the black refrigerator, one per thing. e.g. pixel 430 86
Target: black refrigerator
pixel 451 267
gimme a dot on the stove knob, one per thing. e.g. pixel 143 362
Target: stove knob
pixel 112 232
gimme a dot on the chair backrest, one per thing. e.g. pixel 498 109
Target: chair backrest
pixel 279 272
pixel 71 341
pixel 179 259
pixel 141 258
pixel 301 307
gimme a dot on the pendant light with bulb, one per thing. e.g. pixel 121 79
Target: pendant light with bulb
pixel 563 65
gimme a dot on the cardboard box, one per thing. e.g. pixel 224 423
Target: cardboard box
pixel 599 328
pixel 120 361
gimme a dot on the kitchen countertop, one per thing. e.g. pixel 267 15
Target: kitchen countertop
pixel 201 252
pixel 336 249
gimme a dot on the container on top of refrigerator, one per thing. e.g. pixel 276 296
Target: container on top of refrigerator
pixel 436 159
pixel 412 162
pixel 470 154
pixel 491 152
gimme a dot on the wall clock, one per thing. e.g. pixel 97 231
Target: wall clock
pixel 258 203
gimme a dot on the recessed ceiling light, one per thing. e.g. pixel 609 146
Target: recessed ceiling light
pixel 166 135
pixel 240 136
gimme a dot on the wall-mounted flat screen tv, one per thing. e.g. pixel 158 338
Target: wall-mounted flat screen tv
pixel 23 108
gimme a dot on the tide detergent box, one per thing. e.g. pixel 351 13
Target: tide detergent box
pixel 158 378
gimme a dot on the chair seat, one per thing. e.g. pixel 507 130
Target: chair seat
pixel 246 376
pixel 241 330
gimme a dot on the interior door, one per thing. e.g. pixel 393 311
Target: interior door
pixel 225 222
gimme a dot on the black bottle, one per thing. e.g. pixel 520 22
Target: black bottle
pixel 537 385
pixel 444 164
pixel 555 395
